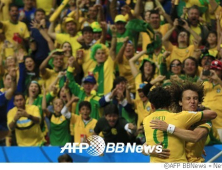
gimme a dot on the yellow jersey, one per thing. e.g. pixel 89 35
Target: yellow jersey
pixel 27 133
pixel 142 110
pixel 194 150
pixel 9 29
pixel 49 77
pixel 46 5
pixel 176 145
pixel 213 100
pixel 78 127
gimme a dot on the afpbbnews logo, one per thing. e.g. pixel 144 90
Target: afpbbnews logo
pixel 96 146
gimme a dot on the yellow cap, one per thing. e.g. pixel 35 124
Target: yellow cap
pixel 69 19
pixel 120 18
pixel 96 27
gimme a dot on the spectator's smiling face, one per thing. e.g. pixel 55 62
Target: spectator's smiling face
pixel 121 86
pixel 88 37
pixel 112 119
pixel 189 67
pixel 85 112
pixel 93 12
pixel 193 16
pixel 67 47
pixel 58 61
pixel 155 21
pixel 189 101
pixel 176 67
pixel 71 27
pixel 29 64
pixel 212 38
pixel 62 94
pixel 7 81
pixel 33 90
pixel 100 56
pixel 39 16
pixel 148 68
pixel 57 105
pixel 204 60
pixel 142 96
pixel 14 13
pixel 120 26
pixel 129 50
pixel 147 16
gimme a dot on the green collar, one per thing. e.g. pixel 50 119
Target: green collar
pixel 161 110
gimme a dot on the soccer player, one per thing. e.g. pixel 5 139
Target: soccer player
pixel 189 96
pixel 183 120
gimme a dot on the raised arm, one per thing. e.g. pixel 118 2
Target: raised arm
pixel 166 37
pixel 132 61
pixel 10 92
pixel 51 31
pixel 44 102
pixel 112 9
pixel 113 42
pixel 195 35
pixel 119 57
pixel 138 8
pixel 44 64
pixel 104 30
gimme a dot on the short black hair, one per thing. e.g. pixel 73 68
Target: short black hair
pixel 87 29
pixel 12 5
pixel 160 97
pixel 19 94
pixel 118 80
pixel 111 109
pixel 39 10
pixel 65 158
pixel 154 12
pixel 85 103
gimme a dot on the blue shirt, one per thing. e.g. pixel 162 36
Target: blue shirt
pixel 42 50
pixel 29 16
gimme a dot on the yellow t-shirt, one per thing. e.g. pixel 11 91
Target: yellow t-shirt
pixel 180 53
pixel 49 77
pixel 176 146
pixel 61 38
pixel 213 100
pixel 88 64
pixel 4 13
pixel 27 133
pixel 142 111
pixel 194 150
pixel 125 71
pixel 195 29
pixel 46 5
pixel 78 127
pixel 9 30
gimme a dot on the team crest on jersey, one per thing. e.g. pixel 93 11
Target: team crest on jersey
pixel 91 130
pixel 148 108
pixel 218 90
pixel 114 131
pixel 21 29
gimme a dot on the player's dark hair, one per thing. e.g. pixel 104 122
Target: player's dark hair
pixel 111 109
pixel 65 158
pixel 85 103
pixel 176 90
pixel 160 97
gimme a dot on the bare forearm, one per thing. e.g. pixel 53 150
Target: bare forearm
pixel 10 92
pixel 51 30
pixel 168 34
pixel 35 120
pixel 44 65
pixel 137 8
pixel 195 35
pixel 113 11
pixel 113 47
pixel 168 18
pixel 12 125
pixel 119 56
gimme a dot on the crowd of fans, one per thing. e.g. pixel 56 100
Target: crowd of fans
pixel 73 68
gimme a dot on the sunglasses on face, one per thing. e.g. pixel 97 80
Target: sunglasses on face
pixel 175 65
